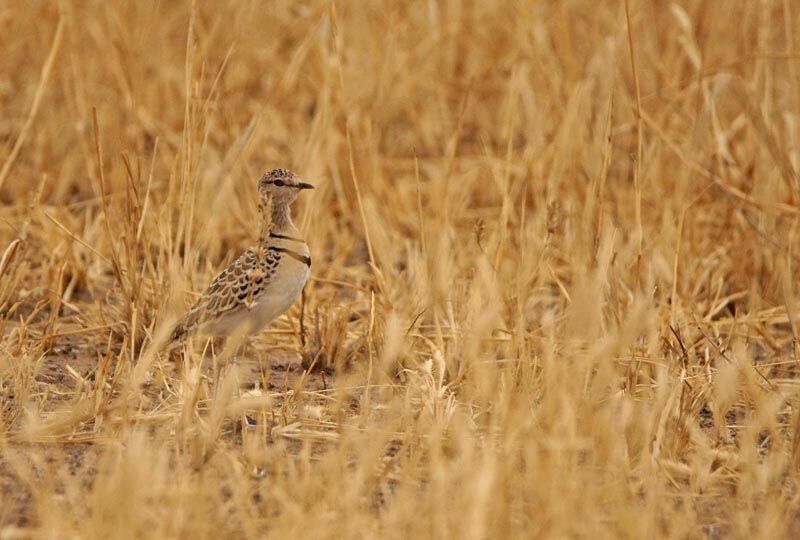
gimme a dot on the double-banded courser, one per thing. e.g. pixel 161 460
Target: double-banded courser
pixel 265 280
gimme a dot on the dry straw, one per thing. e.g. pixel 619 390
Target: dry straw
pixel 555 276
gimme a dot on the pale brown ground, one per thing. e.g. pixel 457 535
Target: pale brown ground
pixel 555 283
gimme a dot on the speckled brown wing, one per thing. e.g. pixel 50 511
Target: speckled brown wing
pixel 239 285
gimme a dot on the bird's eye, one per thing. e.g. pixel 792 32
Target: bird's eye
pixel 279 183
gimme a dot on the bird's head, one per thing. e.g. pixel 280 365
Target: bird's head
pixel 281 185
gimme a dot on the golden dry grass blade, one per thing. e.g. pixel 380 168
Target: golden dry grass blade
pixel 554 286
pixel 35 104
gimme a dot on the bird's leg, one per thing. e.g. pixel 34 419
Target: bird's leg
pixel 234 347
pixel 245 422
pixel 302 318
pixel 239 352
pixel 215 371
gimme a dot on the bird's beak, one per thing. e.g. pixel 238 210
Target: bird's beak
pixel 303 185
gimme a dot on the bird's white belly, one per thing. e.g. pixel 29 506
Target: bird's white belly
pixel 281 294
pixel 276 298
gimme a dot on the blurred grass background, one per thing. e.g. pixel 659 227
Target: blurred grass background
pixel 554 289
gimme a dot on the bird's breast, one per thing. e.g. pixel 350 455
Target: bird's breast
pixel 284 288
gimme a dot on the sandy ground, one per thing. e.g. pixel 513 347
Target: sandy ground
pixel 76 457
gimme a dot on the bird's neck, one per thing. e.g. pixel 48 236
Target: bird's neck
pixel 276 218
pixel 281 218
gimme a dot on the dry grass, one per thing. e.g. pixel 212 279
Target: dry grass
pixel 535 313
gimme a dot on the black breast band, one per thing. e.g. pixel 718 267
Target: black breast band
pixel 296 256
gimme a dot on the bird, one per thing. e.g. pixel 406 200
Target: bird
pixel 265 280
